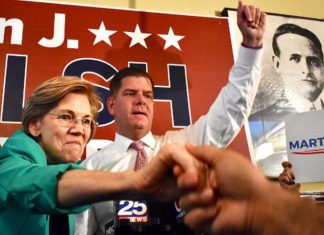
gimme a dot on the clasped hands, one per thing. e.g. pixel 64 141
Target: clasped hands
pixel 216 187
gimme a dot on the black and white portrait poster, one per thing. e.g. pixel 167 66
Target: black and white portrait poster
pixel 292 79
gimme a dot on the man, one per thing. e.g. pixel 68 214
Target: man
pixel 240 200
pixel 298 59
pixel 304 87
pixel 131 103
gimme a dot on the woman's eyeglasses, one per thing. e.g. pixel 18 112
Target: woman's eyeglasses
pixel 69 120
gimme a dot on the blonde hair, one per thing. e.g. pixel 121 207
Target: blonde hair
pixel 47 96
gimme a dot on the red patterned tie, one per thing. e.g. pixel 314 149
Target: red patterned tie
pixel 141 158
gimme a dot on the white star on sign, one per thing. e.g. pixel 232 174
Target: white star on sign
pixel 102 34
pixel 171 39
pixel 137 37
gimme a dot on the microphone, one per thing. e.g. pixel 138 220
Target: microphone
pixel 149 217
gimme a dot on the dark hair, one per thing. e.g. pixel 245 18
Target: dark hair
pixel 295 29
pixel 48 94
pixel 115 83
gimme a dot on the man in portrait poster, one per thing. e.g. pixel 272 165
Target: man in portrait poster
pixel 293 84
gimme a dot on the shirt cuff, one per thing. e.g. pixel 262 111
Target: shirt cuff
pixel 249 57
pixel 247 46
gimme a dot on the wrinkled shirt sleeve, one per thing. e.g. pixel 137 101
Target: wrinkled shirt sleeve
pixel 231 108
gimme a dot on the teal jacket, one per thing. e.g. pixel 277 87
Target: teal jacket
pixel 28 187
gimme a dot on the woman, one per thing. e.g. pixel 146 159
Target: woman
pixel 38 174
pixel 58 121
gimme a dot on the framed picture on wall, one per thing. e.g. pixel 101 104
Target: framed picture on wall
pixel 292 79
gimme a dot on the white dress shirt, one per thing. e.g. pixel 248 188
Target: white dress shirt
pixel 218 127
pixel 304 105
